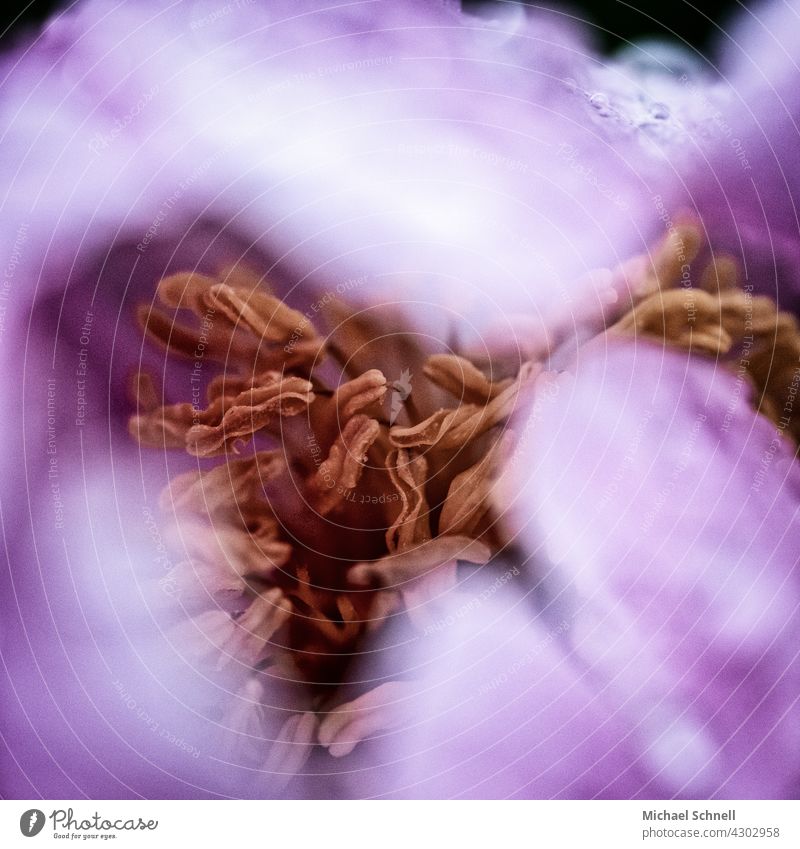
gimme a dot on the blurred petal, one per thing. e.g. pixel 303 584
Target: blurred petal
pixel 498 708
pixel 657 656
pixel 379 146
pixel 746 187
pixel 665 510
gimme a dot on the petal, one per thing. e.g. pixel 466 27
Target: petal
pixel 497 709
pixel 409 159
pixel 657 656
pixel 663 511
pixel 746 190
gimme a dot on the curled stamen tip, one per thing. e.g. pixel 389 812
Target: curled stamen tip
pixel 374 377
pixel 143 312
pixel 721 274
pixel 685 237
pixel 184 289
pixel 351 723
pixel 407 565
pixel 142 391
pixel 359 393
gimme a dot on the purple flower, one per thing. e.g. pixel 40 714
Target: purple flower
pixel 404 404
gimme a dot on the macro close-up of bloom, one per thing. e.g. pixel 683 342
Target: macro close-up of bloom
pixel 401 401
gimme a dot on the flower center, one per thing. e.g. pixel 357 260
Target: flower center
pixel 370 461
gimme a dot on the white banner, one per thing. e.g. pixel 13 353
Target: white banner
pixel 351 825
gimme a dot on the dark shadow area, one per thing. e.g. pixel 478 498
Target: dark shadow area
pixel 615 21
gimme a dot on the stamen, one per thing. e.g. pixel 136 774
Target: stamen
pixel 679 248
pixel 216 341
pixel 143 392
pixel 250 411
pixel 449 429
pixel 469 496
pixel 358 394
pixel 351 519
pixel 164 427
pixel 264 315
pixel 462 379
pixel 222 491
pixel 245 639
pixel 689 320
pixel 402 567
pixel 198 582
pixel 186 290
pixel 246 553
pixel 339 474
pixel 409 474
pixel 747 333
pixel 293 746
pixel 286 336
pixel 346 726
pixel 720 275
pixel 311 599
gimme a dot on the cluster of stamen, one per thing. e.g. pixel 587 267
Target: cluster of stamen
pixel 334 508
pixel 720 318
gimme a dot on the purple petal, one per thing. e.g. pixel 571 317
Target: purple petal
pixel 500 708
pixel 396 143
pixel 667 510
pixel 657 656
pixel 747 186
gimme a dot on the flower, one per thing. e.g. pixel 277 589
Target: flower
pixel 390 424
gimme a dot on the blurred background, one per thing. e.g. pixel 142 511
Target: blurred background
pixel 616 22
